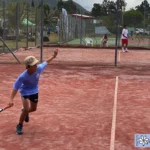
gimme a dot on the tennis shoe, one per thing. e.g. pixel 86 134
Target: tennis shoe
pixel 123 50
pixel 19 129
pixel 126 50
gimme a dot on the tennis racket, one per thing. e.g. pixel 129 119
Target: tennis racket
pixel 6 107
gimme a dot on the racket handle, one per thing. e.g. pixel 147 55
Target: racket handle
pixel 8 106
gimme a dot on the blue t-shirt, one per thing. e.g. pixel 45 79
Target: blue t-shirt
pixel 28 84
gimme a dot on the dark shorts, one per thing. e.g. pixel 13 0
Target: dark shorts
pixel 33 98
pixel 124 41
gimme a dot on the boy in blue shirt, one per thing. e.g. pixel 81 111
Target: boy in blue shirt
pixel 27 84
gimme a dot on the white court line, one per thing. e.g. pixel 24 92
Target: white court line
pixel 113 128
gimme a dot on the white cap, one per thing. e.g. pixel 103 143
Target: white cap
pixel 30 61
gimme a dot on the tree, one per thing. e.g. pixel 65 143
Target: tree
pixel 133 18
pixel 46 10
pixel 60 5
pixel 11 15
pixel 106 8
pixel 68 5
pixel 111 7
pixel 122 3
pixel 144 7
pixel 46 13
pixel 97 10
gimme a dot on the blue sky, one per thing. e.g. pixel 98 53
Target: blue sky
pixel 88 4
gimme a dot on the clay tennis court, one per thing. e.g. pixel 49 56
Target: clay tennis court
pixel 85 103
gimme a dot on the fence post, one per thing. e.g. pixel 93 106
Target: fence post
pixel 4 22
pixel 27 34
pixel 81 29
pixel 117 30
pixel 17 23
pixel 42 23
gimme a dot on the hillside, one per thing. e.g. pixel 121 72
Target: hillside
pixel 51 3
pixel 83 10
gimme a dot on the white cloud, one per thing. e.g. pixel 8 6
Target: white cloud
pixel 133 3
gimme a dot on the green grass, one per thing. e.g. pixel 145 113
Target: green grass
pixel 54 39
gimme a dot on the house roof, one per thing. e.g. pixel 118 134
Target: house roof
pixel 82 16
pixel 101 30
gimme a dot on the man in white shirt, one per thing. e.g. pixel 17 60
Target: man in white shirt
pixel 124 38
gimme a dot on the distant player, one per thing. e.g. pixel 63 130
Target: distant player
pixel 104 40
pixel 124 38
pixel 27 84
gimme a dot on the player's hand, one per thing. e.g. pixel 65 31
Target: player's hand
pixel 10 103
pixel 55 53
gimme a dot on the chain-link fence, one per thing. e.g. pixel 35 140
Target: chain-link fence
pixel 19 24
pixel 23 24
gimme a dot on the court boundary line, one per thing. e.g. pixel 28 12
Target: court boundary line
pixel 113 127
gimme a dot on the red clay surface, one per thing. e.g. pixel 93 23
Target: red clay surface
pixel 76 100
pixel 132 110
pixel 139 41
pixel 84 56
pixel 75 108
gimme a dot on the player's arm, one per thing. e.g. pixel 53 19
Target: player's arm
pixel 52 57
pixel 49 59
pixel 11 102
pixel 13 94
pixel 16 87
pixel 125 36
